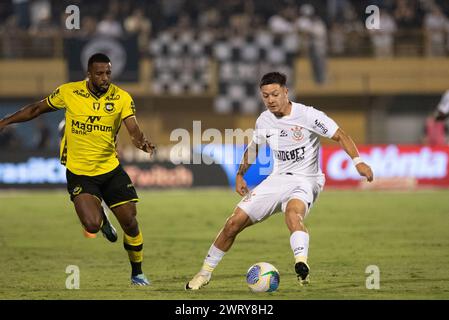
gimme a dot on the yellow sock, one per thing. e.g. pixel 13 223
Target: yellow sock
pixel 134 247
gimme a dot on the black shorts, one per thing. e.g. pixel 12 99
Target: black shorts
pixel 114 187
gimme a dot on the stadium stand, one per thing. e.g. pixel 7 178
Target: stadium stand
pixel 210 54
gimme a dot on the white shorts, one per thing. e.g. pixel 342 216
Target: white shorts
pixel 273 194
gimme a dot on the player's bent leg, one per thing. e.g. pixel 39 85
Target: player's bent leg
pixel 88 209
pixel 238 221
pixel 107 228
pixel 126 215
pixel 294 215
pixel 132 240
pixel 299 239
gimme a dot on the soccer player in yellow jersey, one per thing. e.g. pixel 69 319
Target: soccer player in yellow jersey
pixel 94 111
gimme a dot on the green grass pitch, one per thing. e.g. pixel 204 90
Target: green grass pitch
pixel 405 234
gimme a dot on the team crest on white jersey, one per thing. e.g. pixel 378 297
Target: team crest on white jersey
pixel 297 133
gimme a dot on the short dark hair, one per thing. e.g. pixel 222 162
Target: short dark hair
pixel 97 57
pixel 273 77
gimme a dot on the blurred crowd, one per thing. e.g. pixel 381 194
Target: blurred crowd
pixel 336 27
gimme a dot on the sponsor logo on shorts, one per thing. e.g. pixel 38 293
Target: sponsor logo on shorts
pixel 130 185
pixel 77 190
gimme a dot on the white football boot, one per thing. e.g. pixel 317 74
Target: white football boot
pixel 199 280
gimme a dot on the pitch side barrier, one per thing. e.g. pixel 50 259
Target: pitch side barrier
pixel 394 166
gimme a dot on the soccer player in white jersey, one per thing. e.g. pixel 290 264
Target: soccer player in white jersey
pixel 443 107
pixel 292 130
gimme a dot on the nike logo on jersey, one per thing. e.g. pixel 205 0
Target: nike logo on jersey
pixel 282 134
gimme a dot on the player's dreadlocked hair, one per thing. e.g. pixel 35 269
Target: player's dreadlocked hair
pixel 273 77
pixel 97 57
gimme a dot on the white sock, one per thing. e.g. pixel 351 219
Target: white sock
pixel 214 256
pixel 299 242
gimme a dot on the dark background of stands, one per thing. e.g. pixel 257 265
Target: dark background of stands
pixel 34 37
pixel 32 32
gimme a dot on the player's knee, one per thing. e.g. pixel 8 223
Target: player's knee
pixel 289 213
pixel 130 226
pixel 293 217
pixel 92 226
pixel 232 228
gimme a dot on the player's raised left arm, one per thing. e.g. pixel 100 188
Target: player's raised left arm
pixel 138 137
pixel 349 146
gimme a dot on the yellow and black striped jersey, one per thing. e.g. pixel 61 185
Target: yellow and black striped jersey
pixel 91 125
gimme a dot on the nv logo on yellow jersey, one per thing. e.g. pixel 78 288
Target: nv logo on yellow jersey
pixel 92 119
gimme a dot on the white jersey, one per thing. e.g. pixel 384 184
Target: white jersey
pixel 294 139
pixel 443 106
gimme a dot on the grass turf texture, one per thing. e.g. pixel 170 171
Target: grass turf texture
pixel 405 234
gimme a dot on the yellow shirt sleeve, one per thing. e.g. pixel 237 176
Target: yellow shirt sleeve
pixel 129 109
pixel 56 99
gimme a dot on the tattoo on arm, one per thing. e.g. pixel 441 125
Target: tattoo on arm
pixel 243 168
pixel 248 158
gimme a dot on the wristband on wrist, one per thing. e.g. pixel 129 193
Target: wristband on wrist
pixel 357 160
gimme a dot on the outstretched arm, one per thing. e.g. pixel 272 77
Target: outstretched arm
pixel 27 113
pixel 138 137
pixel 248 159
pixel 348 145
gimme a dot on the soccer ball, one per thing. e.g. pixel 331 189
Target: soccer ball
pixel 262 277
